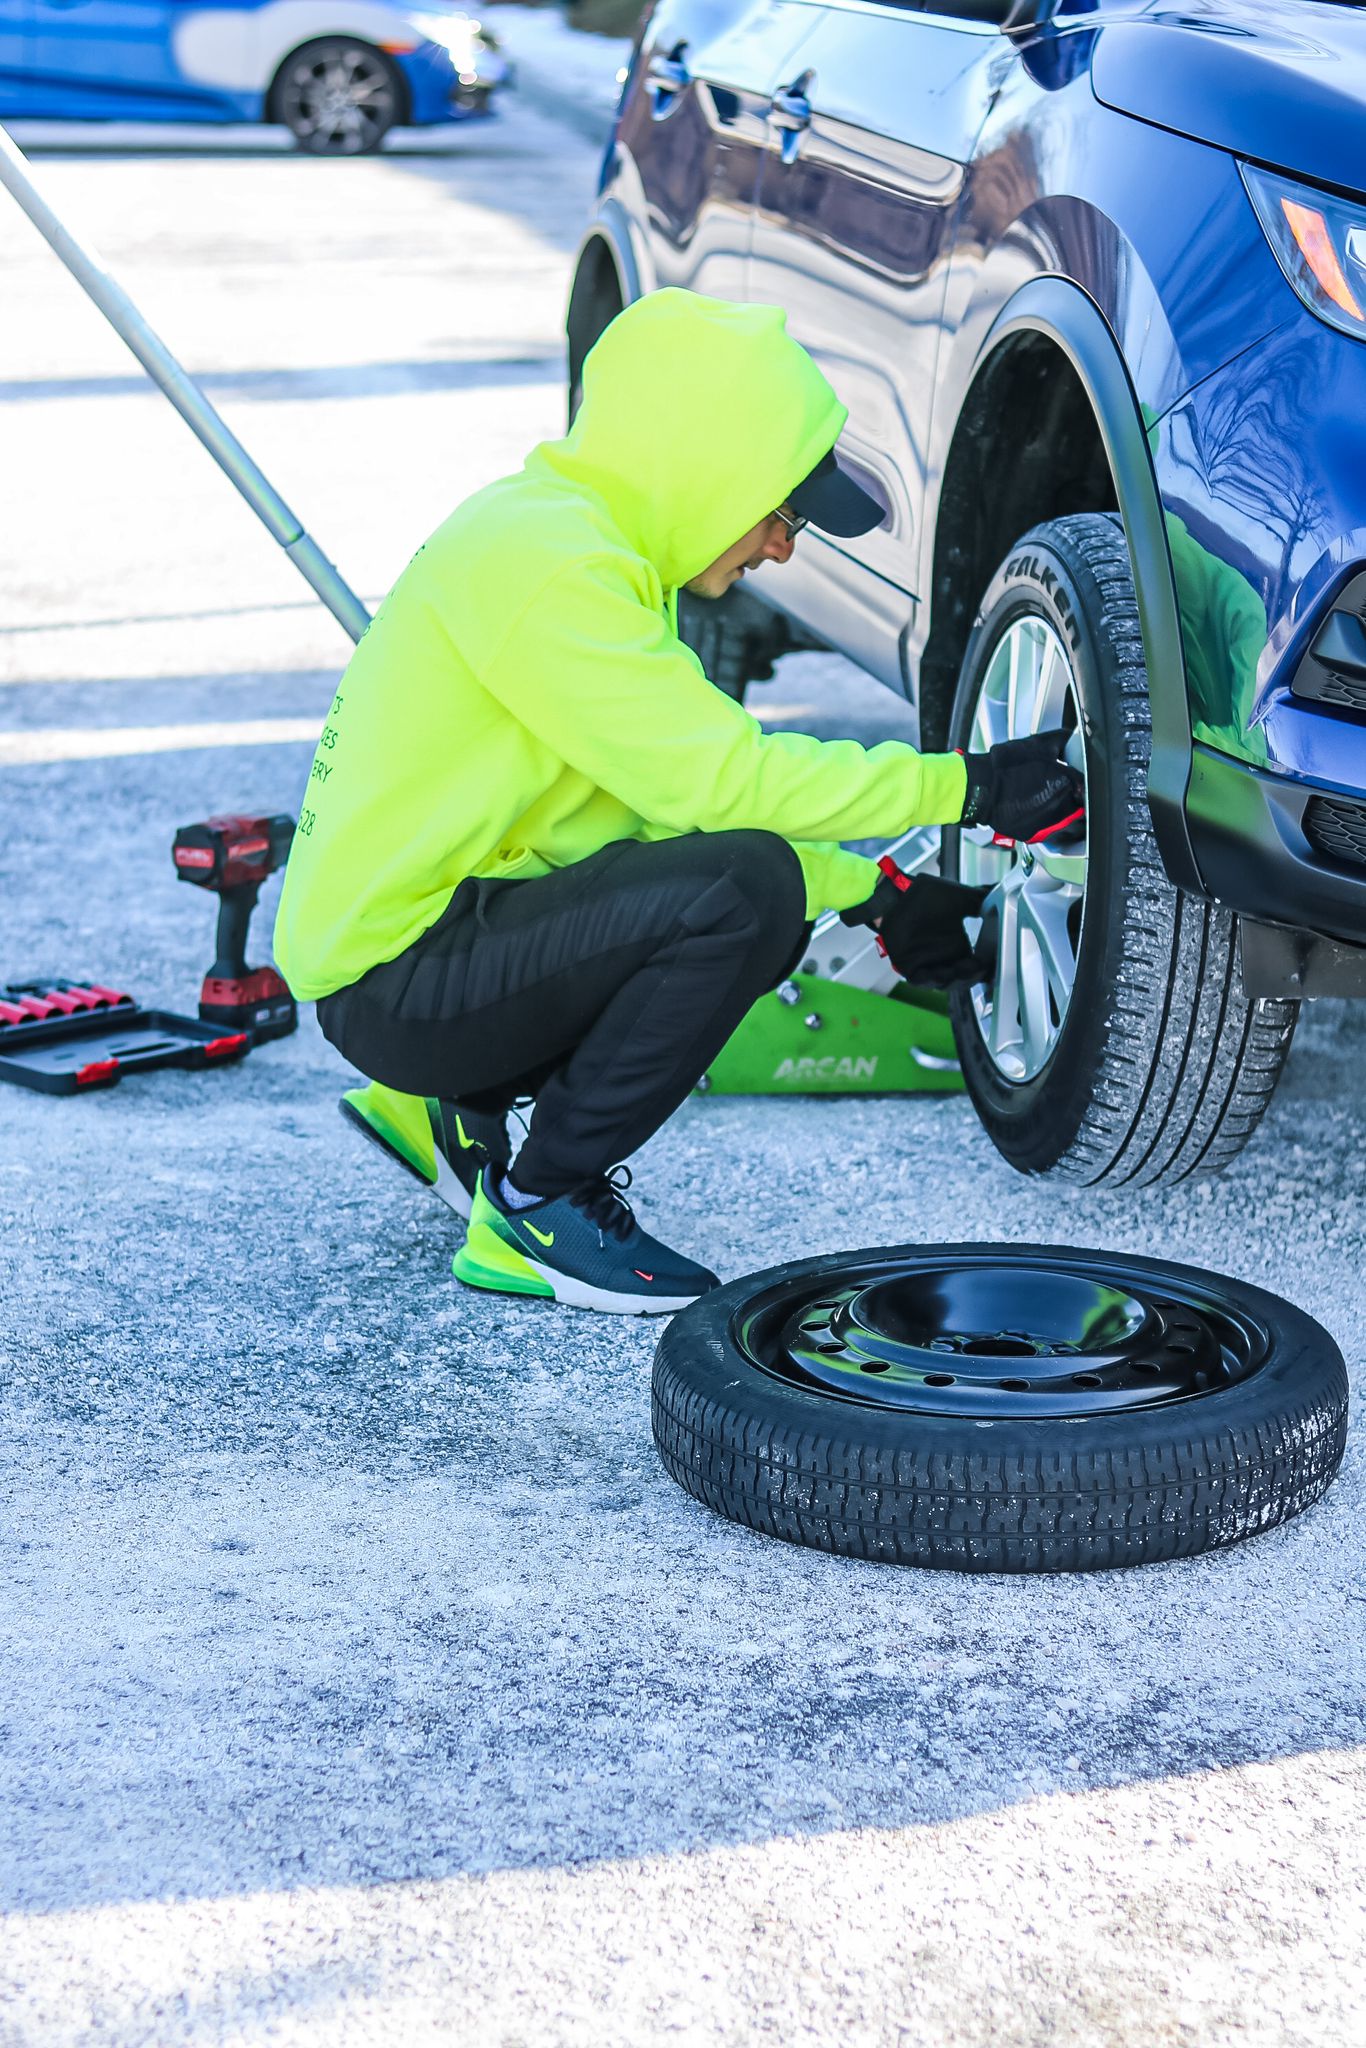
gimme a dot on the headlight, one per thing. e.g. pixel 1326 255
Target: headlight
pixel 454 32
pixel 1319 242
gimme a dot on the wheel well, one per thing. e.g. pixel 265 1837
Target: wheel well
pixel 1027 448
pixel 405 102
pixel 594 302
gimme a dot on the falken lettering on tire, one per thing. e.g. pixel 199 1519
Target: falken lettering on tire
pixel 1000 1408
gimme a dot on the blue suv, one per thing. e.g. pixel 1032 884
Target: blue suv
pixel 1090 276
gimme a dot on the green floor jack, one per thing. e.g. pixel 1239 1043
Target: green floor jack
pixel 845 1023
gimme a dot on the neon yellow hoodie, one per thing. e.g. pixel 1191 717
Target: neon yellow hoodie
pixel 522 698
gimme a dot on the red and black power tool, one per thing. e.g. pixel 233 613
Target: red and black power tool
pixel 232 856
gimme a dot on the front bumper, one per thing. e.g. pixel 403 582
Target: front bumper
pixel 438 91
pixel 1266 846
pixel 1261 469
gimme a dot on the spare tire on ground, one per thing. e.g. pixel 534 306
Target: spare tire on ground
pixel 1000 1408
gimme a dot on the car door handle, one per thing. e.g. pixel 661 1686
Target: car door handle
pixel 668 76
pixel 789 110
pixel 789 107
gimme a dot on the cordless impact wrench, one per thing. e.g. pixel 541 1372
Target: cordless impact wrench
pixel 232 856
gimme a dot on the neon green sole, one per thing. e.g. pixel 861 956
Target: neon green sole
pixel 382 1132
pixel 497 1281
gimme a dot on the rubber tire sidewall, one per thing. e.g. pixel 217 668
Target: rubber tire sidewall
pixel 1034 1123
pixel 1084 1493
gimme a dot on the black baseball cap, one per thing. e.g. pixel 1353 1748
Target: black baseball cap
pixel 831 500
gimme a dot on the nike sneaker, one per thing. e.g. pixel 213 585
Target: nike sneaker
pixel 585 1249
pixel 441 1144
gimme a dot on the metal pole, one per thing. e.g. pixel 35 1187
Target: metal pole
pixel 185 395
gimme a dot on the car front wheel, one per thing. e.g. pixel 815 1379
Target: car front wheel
pixel 337 97
pixel 1114 1042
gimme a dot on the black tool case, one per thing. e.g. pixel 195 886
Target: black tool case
pixel 63 1037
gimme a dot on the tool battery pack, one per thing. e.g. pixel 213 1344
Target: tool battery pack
pixel 63 1037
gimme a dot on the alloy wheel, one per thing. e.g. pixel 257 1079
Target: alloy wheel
pixel 1038 893
pixel 339 100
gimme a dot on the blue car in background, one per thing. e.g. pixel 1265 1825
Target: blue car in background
pixel 1091 277
pixel 339 76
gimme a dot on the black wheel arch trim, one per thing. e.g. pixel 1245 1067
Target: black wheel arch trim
pixel 611 228
pixel 1068 317
pixel 607 235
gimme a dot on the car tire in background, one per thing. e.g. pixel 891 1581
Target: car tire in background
pixel 337 96
pixel 1115 1043
pixel 736 639
pixel 999 1408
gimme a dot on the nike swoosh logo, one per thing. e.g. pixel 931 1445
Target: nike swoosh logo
pixel 545 1237
pixel 466 1144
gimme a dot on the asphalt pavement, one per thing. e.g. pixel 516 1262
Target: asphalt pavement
pixel 362 1677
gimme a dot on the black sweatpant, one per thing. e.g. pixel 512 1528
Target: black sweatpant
pixel 604 990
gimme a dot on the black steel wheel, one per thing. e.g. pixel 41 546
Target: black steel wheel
pixel 1000 1408
pixel 337 97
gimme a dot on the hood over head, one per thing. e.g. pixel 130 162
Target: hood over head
pixel 698 417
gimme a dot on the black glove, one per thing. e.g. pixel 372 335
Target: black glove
pixel 919 921
pixel 1023 789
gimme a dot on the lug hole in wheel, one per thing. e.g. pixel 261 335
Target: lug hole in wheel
pixel 989 1333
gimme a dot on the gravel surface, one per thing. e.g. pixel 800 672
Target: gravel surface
pixel 365 1681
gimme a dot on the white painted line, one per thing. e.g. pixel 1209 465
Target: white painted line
pixel 71 743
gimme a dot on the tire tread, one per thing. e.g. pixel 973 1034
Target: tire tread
pixel 1056 1511
pixel 1187 1063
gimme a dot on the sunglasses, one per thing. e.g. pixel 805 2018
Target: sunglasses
pixel 792 526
